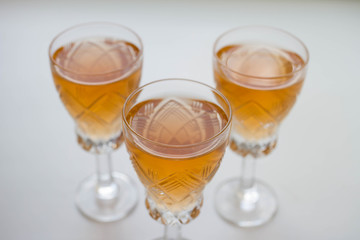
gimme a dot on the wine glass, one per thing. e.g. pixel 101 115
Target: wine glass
pixel 176 132
pixel 95 66
pixel 261 71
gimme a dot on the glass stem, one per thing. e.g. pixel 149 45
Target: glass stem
pixel 247 176
pixel 106 188
pixel 172 232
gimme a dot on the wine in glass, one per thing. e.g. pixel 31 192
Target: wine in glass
pixel 95 67
pixel 176 132
pixel 261 71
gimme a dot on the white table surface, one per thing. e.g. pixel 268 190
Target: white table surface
pixel 314 170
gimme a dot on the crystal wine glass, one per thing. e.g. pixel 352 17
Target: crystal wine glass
pixel 176 132
pixel 95 66
pixel 261 71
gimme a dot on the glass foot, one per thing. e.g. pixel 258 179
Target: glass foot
pixel 165 238
pixel 110 209
pixel 245 207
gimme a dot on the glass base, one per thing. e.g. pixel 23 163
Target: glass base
pixel 164 238
pixel 245 207
pixel 111 209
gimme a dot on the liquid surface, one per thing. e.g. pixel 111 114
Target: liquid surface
pixel 177 121
pixel 94 78
pixel 175 183
pixel 96 56
pixel 259 104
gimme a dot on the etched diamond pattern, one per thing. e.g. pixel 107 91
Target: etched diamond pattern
pixel 254 118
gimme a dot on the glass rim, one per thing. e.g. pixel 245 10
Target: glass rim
pixel 306 61
pixel 137 59
pixel 227 125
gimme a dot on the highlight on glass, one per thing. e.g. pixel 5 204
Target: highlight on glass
pixel 176 132
pixel 261 71
pixel 95 66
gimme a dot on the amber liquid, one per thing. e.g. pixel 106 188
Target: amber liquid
pixel 259 103
pixel 93 78
pixel 173 173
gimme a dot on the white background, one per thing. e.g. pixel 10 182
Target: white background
pixel 315 170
